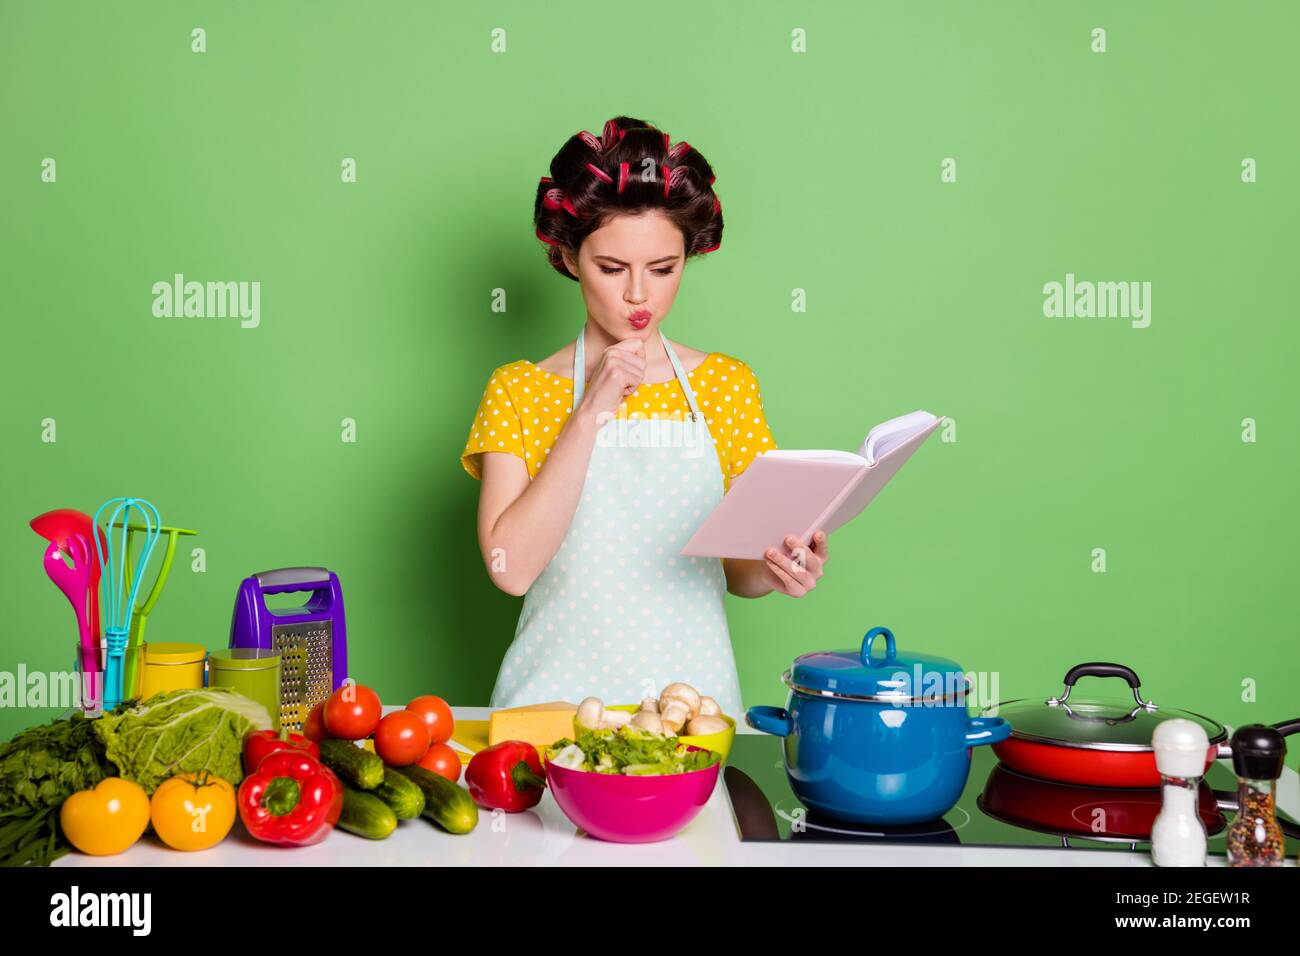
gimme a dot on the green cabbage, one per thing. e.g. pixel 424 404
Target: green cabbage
pixel 181 731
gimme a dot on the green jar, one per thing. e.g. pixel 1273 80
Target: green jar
pixel 251 671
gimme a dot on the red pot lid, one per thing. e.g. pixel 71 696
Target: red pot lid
pixel 1095 723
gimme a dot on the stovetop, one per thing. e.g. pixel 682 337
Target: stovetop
pixel 998 808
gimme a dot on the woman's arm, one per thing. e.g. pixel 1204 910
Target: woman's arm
pixel 521 523
pixel 745 577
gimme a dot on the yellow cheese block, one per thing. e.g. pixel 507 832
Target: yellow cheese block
pixel 538 724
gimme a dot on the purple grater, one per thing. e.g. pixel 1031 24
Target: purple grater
pixel 311 640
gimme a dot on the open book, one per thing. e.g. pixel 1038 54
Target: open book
pixel 798 492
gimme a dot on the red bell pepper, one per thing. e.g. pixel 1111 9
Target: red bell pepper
pixel 336 811
pixel 506 776
pixel 290 799
pixel 260 744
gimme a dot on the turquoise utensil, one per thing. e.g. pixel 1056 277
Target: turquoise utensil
pixel 122 582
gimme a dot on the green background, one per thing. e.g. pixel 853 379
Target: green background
pixel 1071 434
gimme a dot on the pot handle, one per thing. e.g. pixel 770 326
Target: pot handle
pixel 1288 727
pixel 986 730
pixel 870 638
pixel 770 720
pixel 1102 669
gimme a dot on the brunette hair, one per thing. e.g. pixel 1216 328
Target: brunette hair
pixel 632 167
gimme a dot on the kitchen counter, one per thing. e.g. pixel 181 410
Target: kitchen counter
pixel 543 836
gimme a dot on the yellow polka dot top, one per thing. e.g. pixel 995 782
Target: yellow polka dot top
pixel 524 407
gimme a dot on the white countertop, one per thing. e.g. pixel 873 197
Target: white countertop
pixel 543 836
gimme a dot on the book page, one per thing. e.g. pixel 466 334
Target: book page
pixel 887 436
pixel 820 454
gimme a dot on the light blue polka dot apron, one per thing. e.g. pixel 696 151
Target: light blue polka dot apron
pixel 619 612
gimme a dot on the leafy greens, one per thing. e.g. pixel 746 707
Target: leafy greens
pixel 179 731
pixel 629 750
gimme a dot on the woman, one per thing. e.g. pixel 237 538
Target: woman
pixel 639 437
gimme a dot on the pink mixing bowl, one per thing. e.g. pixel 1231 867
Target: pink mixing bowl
pixel 625 809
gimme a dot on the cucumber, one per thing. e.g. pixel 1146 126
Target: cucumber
pixel 403 795
pixel 361 768
pixel 366 815
pixel 446 804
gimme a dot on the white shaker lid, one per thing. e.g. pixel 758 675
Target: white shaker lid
pixel 1181 747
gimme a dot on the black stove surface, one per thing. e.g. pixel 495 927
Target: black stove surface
pixel 765 808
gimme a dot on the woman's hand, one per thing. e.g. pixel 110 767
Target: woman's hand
pixel 796 569
pixel 620 370
pixel 793 569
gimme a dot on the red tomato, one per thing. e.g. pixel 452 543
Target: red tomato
pixel 314 728
pixel 436 714
pixel 442 760
pixel 402 739
pixel 352 712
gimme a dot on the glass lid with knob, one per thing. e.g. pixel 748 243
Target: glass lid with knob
pixel 1097 723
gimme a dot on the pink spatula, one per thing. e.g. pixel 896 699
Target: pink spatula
pixel 74 582
pixel 58 526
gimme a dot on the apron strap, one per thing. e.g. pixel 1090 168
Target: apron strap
pixel 580 369
pixel 681 377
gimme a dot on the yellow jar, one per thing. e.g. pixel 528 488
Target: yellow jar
pixel 172 666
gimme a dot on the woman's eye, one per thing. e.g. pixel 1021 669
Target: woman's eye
pixel 659 272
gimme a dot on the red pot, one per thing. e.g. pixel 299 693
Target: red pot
pixel 1095 813
pixel 1097 742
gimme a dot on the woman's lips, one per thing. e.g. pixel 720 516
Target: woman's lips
pixel 639 319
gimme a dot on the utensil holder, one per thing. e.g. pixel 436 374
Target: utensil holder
pixel 91 677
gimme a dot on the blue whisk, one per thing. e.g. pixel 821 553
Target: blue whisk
pixel 122 584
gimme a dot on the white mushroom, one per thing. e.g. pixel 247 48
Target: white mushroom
pixel 649 704
pixel 590 712
pixel 706 724
pixel 709 707
pixel 674 715
pixel 647 721
pixel 614 719
pixel 685 693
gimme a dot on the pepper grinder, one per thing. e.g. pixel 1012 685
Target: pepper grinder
pixel 1254 837
pixel 1178 834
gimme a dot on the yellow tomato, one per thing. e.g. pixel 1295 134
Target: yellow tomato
pixel 193 811
pixel 106 820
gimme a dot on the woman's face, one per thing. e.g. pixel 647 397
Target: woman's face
pixel 629 270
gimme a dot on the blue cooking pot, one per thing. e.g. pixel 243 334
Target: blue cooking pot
pixel 882 740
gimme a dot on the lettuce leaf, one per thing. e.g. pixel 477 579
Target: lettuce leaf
pixel 180 731
pixel 630 751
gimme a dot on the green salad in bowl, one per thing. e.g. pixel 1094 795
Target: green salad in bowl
pixel 629 751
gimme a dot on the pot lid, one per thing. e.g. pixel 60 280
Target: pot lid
pixel 173 652
pixel 1096 723
pixel 887 678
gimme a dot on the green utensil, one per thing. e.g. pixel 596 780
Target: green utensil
pixel 140 615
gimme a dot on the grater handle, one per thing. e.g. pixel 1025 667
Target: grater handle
pixel 292 579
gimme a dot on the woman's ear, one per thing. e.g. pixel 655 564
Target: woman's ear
pixel 570 262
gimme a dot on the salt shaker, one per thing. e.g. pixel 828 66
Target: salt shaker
pixel 1178 835
pixel 1254 837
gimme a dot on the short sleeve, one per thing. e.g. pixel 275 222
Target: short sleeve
pixel 496 425
pixel 750 436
